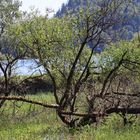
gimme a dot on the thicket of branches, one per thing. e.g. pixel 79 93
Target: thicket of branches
pixel 86 86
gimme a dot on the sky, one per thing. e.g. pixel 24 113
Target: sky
pixel 41 5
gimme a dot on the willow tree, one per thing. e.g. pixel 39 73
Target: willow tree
pixel 60 45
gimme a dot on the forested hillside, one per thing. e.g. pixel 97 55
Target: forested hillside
pixel 131 15
pixel 134 20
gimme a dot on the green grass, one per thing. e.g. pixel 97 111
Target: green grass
pixel 28 122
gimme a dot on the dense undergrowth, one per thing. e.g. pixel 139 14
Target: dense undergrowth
pixel 21 121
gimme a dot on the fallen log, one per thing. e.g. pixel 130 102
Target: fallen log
pixel 123 110
pixel 55 106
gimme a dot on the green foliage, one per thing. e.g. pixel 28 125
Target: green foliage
pixel 52 41
pixel 9 11
pixel 9 15
pixel 113 54
pixel 123 60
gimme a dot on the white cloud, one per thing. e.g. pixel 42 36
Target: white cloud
pixel 41 5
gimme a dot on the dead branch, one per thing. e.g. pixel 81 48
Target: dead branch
pixel 11 98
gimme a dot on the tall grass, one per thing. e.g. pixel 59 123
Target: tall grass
pixel 21 121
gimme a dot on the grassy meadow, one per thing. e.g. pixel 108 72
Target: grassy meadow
pixel 22 121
